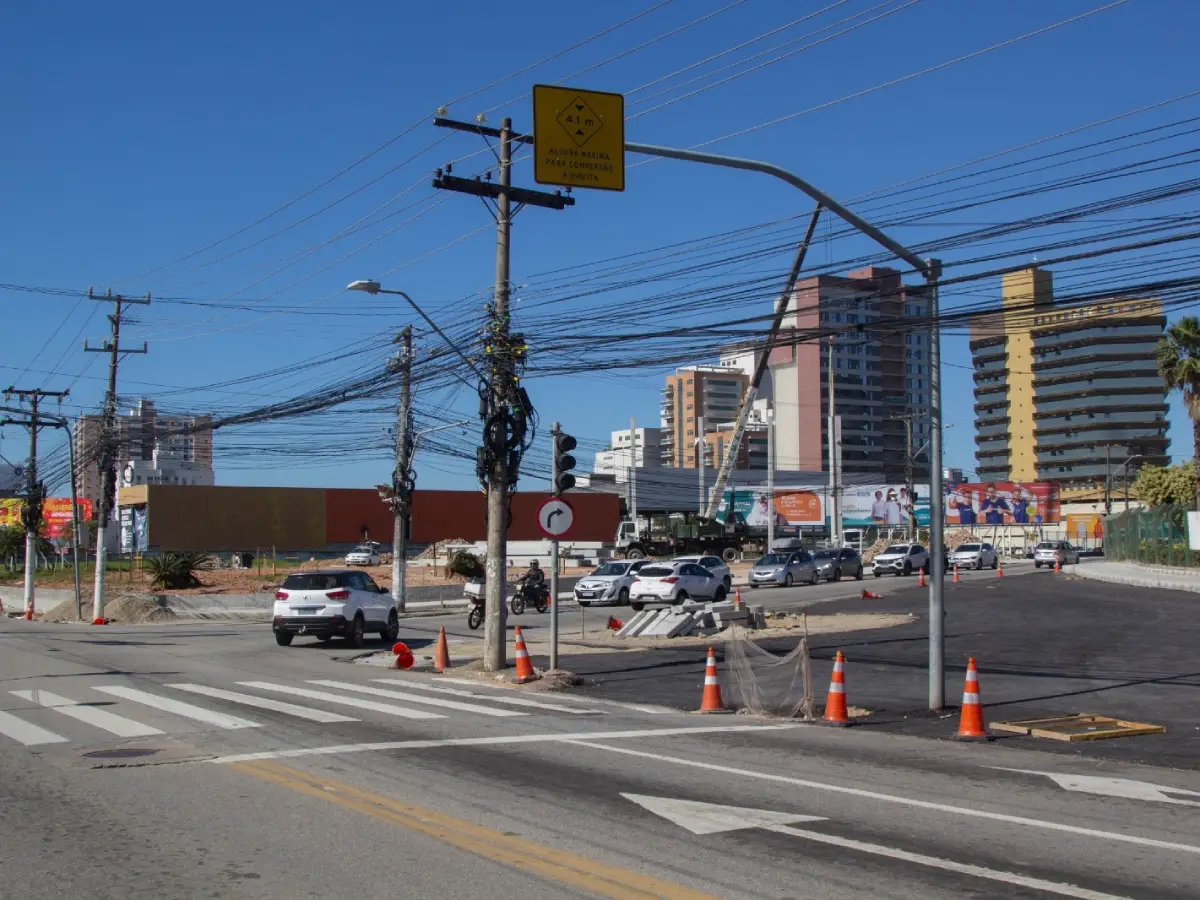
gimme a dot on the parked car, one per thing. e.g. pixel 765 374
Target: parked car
pixel 363 555
pixel 714 564
pixel 609 583
pixel 974 556
pixel 324 604
pixel 673 582
pixel 900 559
pixel 1051 552
pixel 833 563
pixel 784 569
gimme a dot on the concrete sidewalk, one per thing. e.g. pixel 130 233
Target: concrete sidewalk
pixel 1168 578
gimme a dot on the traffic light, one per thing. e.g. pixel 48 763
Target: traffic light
pixel 564 462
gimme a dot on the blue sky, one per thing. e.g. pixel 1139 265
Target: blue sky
pixel 139 133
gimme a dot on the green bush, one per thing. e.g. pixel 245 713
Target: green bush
pixel 468 565
pixel 175 571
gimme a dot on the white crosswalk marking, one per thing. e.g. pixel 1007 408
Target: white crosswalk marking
pixel 107 721
pixel 291 709
pixel 342 700
pixel 26 732
pixel 166 704
pixel 636 707
pixel 511 701
pixel 417 698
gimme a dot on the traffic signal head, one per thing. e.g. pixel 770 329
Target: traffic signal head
pixel 564 462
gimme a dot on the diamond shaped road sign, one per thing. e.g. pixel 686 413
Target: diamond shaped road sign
pixel 579 138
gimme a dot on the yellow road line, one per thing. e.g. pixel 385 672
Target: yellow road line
pixel 518 852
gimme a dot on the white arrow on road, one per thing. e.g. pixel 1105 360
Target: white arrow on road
pixel 713 818
pixel 1114 787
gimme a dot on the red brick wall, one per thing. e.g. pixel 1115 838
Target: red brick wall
pixel 351 511
pixel 442 515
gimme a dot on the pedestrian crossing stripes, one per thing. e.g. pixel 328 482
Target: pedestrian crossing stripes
pixel 102 710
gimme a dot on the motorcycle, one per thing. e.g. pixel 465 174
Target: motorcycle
pixel 527 593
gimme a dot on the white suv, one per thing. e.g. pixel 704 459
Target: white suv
pixel 674 582
pixel 901 559
pixel 324 604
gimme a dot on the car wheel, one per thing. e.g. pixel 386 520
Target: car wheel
pixel 729 554
pixel 837 575
pixel 858 576
pixel 720 595
pixel 787 580
pixel 1036 564
pixel 357 635
pixel 392 630
pixel 995 562
pixel 623 597
pixel 728 582
pixel 752 586
pixel 878 574
pixel 816 577
pixel 927 568
pixel 681 597
pixel 907 568
pixel 283 638
pixel 637 605
pixel 635 555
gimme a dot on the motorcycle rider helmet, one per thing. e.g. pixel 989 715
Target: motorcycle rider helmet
pixel 533 564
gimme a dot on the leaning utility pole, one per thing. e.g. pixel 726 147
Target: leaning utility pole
pixel 108 458
pixel 402 476
pixel 31 510
pixel 504 406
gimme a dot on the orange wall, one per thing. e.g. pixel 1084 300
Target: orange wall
pixel 443 515
pixel 350 512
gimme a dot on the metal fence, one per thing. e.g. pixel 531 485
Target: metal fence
pixel 1157 536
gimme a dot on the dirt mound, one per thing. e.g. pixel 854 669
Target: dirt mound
pixel 130 608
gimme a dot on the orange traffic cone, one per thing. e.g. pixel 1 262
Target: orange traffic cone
pixel 525 672
pixel 100 621
pixel 737 598
pixel 710 700
pixel 999 568
pixel 614 624
pixel 871 595
pixel 970 723
pixel 441 653
pixel 956 578
pixel 835 700
pixel 28 613
pixel 1057 566
pixel 920 578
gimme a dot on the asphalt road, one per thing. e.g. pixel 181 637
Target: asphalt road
pixel 341 792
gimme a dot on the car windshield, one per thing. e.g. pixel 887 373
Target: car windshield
pixel 313 581
pixel 897 548
pixel 687 559
pixel 612 569
pixel 656 572
pixel 826 554
pixel 364 548
pixel 772 559
pixel 967 548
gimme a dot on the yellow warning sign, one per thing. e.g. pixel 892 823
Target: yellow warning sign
pixel 578 138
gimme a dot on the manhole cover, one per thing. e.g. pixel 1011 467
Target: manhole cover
pixel 126 753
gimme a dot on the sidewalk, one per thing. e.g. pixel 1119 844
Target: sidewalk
pixel 1168 578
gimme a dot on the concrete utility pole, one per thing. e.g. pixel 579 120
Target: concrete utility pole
pixel 937 499
pixel 402 476
pixel 108 457
pixel 835 499
pixel 633 468
pixel 701 446
pixel 770 477
pixel 31 510
pixel 909 458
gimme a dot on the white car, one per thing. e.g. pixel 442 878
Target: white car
pixel 363 555
pixel 324 604
pixel 1050 552
pixel 714 564
pixel 673 582
pixel 974 556
pixel 901 559
pixel 610 583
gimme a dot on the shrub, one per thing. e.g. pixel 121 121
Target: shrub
pixel 468 565
pixel 175 571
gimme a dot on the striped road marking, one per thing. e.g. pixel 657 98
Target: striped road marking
pixel 27 733
pixel 166 704
pixel 636 707
pixel 511 701
pixel 291 709
pixel 102 719
pixel 417 698
pixel 390 708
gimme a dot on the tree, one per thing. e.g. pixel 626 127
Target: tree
pixel 1179 365
pixel 1158 486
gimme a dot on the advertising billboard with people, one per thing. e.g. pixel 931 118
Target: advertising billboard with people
pixel 884 504
pixel 792 508
pixel 1002 503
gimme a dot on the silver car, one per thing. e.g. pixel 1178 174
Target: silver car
pixel 784 569
pixel 609 583
pixel 974 556
pixel 834 563
pixel 1051 552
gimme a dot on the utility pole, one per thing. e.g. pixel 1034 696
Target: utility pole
pixel 402 476
pixel 835 500
pixel 108 457
pixel 1108 479
pixel 770 477
pixel 31 511
pixel 701 446
pixel 909 458
pixel 937 499
pixel 504 406
pixel 633 468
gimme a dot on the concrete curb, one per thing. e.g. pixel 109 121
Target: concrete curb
pixel 1148 578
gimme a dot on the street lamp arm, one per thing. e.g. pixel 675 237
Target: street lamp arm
pixel 420 434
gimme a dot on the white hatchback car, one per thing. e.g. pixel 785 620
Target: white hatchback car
pixel 714 564
pixel 974 556
pixel 363 555
pixel 609 583
pixel 324 604
pixel 673 582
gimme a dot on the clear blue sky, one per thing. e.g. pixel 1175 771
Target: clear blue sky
pixel 137 133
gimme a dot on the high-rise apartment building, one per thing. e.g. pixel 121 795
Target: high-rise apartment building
pixel 880 372
pixel 695 395
pixel 641 448
pixel 1067 393
pixel 151 449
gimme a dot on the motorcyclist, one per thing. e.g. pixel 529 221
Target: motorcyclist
pixel 534 576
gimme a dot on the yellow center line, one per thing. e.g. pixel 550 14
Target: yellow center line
pixel 518 852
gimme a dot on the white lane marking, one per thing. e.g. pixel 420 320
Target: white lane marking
pixel 637 707
pixel 1124 788
pixel 891 798
pixel 511 701
pixel 495 740
pixel 100 718
pixel 339 699
pixel 291 709
pixel 26 732
pixel 166 704
pixel 417 698
pixel 1037 884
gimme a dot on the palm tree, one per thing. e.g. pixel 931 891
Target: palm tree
pixel 1179 365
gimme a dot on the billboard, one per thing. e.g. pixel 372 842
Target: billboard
pixel 793 508
pixel 884 504
pixel 1085 528
pixel 1002 503
pixel 56 512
